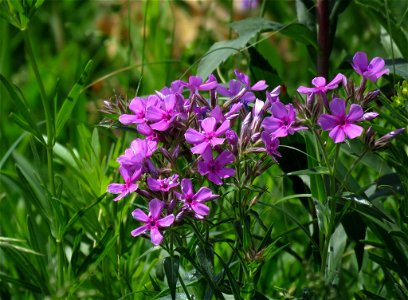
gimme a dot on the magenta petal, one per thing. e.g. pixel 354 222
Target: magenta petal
pixel 129 119
pixel 203 168
pixel 338 107
pixel 280 132
pixel 153 184
pixel 337 134
pixel 140 215
pixel 200 148
pixel 225 173
pixel 335 82
pixel 270 124
pixel 116 188
pixel 139 230
pixel 279 110
pixel 155 207
pixel 163 125
pixel 204 194
pixel 200 209
pixel 207 155
pixel 225 158
pixel 154 113
pixel 327 122
pixel 170 102
pixel 224 127
pixel 216 141
pixel 192 136
pixel 259 86
pixel 214 179
pixel 155 236
pixel 208 124
pixel 319 81
pixel 166 221
pixel 352 131
pixel 186 186
pixel 305 90
pixel 355 113
pixel 360 62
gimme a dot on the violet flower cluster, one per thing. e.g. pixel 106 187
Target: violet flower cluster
pixel 194 133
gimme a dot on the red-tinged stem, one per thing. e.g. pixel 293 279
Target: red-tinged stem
pixel 324 38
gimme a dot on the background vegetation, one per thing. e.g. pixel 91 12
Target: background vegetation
pixel 62 236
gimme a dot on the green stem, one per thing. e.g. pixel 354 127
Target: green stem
pixel 47 111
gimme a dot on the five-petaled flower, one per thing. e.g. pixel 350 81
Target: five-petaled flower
pixel 214 168
pixel 153 223
pixel 194 201
pixel 124 189
pixel 209 137
pixel 373 70
pixel 340 124
pixel 283 120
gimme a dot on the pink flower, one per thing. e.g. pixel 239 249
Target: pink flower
pixel 194 201
pixel 152 221
pixel 271 144
pixel 163 185
pixel 214 168
pixel 209 137
pixel 340 124
pixel 373 70
pixel 162 117
pixel 282 121
pixel 124 189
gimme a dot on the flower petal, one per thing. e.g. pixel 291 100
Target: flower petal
pixel 225 158
pixel 204 194
pixel 155 207
pixel 155 236
pixel 337 134
pixel 352 131
pixel 116 188
pixel 200 148
pixel 279 110
pixel 192 136
pixel 186 186
pixel 139 230
pixel 319 81
pixel 327 122
pixel 360 62
pixel 355 113
pixel 140 215
pixel 338 107
pixel 200 209
pixel 224 127
pixel 208 124
pixel 166 221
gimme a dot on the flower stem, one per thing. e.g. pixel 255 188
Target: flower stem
pixel 323 38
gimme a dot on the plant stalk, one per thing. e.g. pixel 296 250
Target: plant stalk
pixel 323 38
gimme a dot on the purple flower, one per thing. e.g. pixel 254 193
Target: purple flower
pixel 195 84
pixel 320 88
pixel 234 88
pixel 341 124
pixel 273 96
pixel 138 107
pixel 373 70
pixel 124 189
pixel 214 168
pixel 162 117
pixel 152 221
pixel 271 144
pixel 259 86
pixel 139 151
pixel 282 121
pixel 209 136
pixel 194 201
pixel 163 185
pixel 320 85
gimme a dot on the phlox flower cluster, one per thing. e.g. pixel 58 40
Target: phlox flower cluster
pixel 193 133
pixel 196 132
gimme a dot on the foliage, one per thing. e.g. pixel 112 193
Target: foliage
pixel 62 236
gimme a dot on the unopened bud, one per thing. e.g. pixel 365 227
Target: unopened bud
pixel 370 96
pixel 385 140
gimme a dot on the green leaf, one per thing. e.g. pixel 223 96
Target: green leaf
pixel 69 103
pixel 310 171
pixel 100 251
pixel 171 268
pixel 399 66
pixel 26 121
pixel 247 29
pixel 336 249
pixel 22 283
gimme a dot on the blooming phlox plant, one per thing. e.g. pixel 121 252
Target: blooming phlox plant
pixel 196 133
